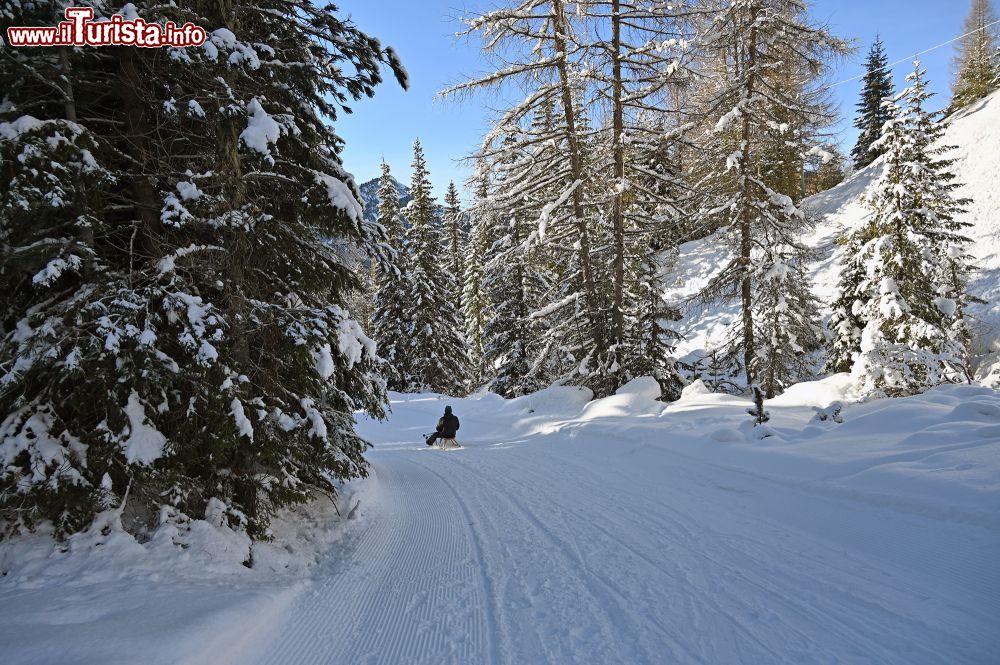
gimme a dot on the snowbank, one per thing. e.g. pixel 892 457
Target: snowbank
pixel 637 398
pixel 939 450
pixel 183 596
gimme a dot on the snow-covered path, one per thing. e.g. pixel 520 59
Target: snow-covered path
pixel 567 531
pixel 596 543
pixel 409 588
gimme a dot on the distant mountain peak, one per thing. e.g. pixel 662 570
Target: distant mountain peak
pixel 369 196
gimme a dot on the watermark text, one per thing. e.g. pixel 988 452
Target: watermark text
pixel 80 29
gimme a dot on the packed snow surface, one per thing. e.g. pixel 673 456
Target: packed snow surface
pixel 567 530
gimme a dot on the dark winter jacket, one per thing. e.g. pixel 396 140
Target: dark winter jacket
pixel 448 425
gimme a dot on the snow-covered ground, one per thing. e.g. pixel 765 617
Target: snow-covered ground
pixel 576 531
pixel 185 596
pixel 975 134
pixel 620 530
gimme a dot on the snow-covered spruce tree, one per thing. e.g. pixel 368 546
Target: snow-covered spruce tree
pixel 453 223
pixel 766 57
pixel 389 320
pixel 539 51
pixel 759 413
pixel 788 329
pixel 54 181
pixel 846 323
pixel 508 334
pixel 976 64
pixel 474 298
pixel 435 357
pixel 171 322
pixel 872 114
pixel 649 343
pixel 953 263
pixel 898 321
pixel 360 302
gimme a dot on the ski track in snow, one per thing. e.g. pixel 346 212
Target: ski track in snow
pixel 526 551
pixel 617 531
pixel 409 588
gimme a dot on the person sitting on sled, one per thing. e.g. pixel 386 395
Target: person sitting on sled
pixel 446 430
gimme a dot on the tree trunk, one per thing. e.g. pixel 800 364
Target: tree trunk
pixel 69 101
pixel 746 210
pixel 576 165
pixel 137 145
pixel 64 68
pixel 238 257
pixel 618 205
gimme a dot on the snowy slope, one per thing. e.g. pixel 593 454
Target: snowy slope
pixel 976 134
pixel 616 531
pixel 623 531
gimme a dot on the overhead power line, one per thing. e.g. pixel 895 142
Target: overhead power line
pixel 916 55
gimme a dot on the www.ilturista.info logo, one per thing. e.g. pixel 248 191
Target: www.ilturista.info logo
pixel 79 29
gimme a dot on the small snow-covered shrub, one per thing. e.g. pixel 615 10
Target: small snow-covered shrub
pixel 759 413
pixel 830 413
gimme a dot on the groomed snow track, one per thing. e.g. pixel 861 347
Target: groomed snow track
pixel 555 552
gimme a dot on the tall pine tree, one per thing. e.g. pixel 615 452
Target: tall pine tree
pixel 390 306
pixel 173 329
pixel 787 322
pixel 899 319
pixel 976 65
pixel 474 297
pixel 766 55
pixel 872 114
pixel 508 334
pixel 453 223
pixel 628 83
pixel 542 53
pixel 435 357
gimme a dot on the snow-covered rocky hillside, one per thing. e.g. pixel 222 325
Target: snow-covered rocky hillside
pixel 975 132
pixel 369 196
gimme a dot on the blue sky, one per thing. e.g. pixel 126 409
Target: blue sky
pixel 423 33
